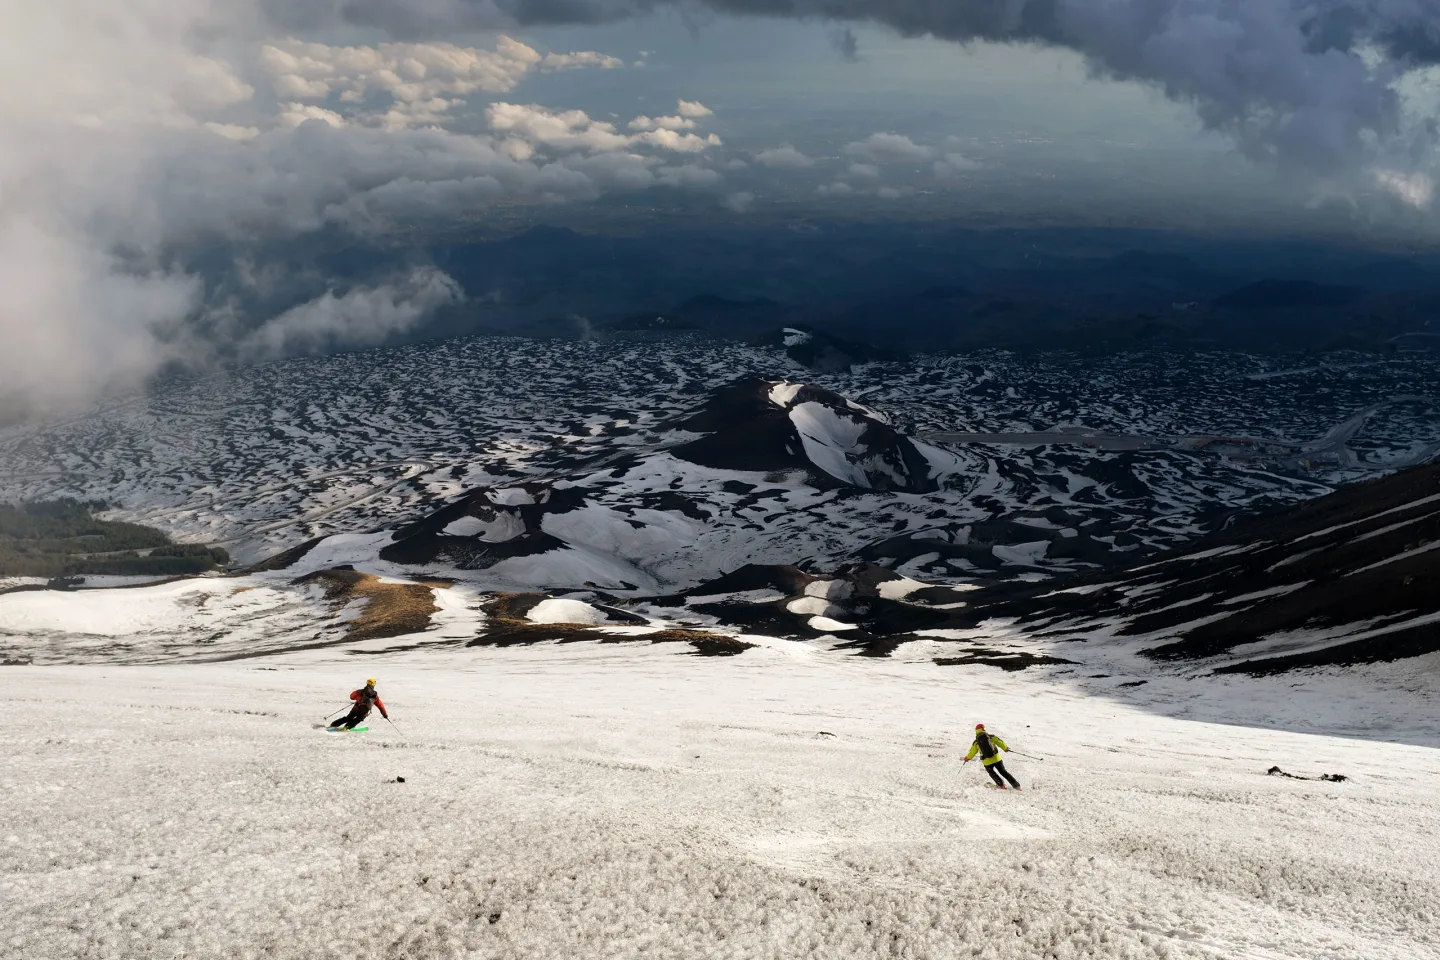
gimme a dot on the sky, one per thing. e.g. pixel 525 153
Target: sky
pixel 143 131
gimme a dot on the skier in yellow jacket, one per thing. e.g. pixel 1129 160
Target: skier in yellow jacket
pixel 989 747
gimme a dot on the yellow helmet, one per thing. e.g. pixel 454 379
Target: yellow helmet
pixel 370 682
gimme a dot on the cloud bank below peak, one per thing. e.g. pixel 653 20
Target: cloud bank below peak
pixel 150 126
pixel 203 129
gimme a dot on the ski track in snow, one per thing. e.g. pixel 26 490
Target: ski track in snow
pixel 588 801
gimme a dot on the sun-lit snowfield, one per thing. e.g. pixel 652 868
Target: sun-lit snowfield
pixel 599 801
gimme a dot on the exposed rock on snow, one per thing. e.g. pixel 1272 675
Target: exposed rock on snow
pixel 679 515
pixel 283 454
pixel 757 425
pixel 274 455
pixel 1347 578
pixel 693 518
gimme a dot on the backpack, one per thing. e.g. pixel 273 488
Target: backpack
pixel 987 749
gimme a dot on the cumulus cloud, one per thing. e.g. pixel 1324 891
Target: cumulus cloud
pixel 418 83
pixel 1307 84
pixel 680 142
pixel 687 115
pixel 565 129
pixel 784 158
pixel 360 317
pixel 688 175
pixel 156 128
pixel 79 313
pixel 294 114
pixel 232 131
pixel 1415 189
pixel 211 84
pixel 366 180
pixel 577 61
pixel 888 148
pixel 662 123
pixel 575 130
pixel 407 71
pixel 952 165
pixel 739 202
pixel 74 318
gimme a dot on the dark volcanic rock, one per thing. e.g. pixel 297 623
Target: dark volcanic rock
pixel 783 578
pixel 823 351
pixel 756 425
pixel 1008 660
pixel 1343 579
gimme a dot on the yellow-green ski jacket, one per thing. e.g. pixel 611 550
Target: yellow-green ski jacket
pixel 975 748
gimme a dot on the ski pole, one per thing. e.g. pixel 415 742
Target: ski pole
pixel 1027 756
pixel 336 713
pixel 397 730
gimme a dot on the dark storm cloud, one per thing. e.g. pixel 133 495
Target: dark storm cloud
pixel 1286 79
pixel 173 124
pixel 952 19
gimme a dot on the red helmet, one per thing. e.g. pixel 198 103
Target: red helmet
pixel 979 726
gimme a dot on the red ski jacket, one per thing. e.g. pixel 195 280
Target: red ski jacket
pixel 361 697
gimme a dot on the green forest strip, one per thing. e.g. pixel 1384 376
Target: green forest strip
pixel 61 538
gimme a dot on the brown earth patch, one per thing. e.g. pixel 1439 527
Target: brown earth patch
pixel 391 609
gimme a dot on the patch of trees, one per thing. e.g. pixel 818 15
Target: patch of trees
pixel 57 538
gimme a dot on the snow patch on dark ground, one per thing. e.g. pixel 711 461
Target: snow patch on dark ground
pixel 267 457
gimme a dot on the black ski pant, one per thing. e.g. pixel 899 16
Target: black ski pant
pixel 997 770
pixel 352 719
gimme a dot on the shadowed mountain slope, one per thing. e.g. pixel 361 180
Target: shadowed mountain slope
pixel 1347 578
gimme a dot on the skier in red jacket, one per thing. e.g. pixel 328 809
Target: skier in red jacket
pixel 364 698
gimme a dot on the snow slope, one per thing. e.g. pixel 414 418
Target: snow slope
pixel 603 802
